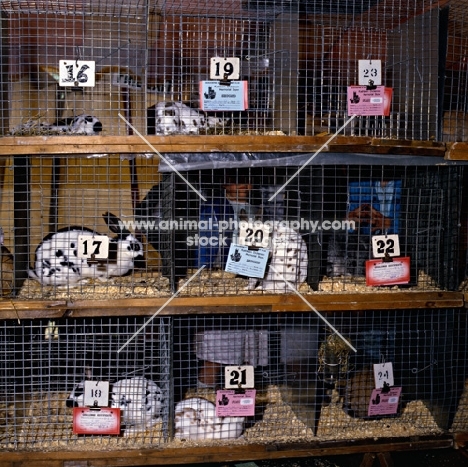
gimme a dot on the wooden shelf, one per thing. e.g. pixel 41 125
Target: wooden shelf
pixel 219 453
pixel 461 439
pixel 457 151
pixel 52 145
pixel 327 302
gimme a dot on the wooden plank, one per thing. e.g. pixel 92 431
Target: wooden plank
pixel 407 143
pixel 461 439
pixel 368 460
pixel 392 301
pixel 457 151
pixel 385 459
pixel 325 302
pixel 22 145
pixel 370 301
pixel 224 453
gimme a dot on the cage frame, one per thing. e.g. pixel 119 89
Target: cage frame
pixel 22 146
pixel 162 455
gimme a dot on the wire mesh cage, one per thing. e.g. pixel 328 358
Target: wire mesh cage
pixel 44 369
pixel 161 66
pixel 311 377
pixel 319 203
pixel 312 383
pixel 108 227
pixel 163 228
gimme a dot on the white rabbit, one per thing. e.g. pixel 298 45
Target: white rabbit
pixel 167 120
pixel 139 400
pixel 288 262
pixel 79 125
pixel 195 418
pixel 57 263
pixel 177 118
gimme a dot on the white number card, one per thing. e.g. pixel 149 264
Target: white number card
pixel 239 377
pixel 383 245
pixel 256 234
pixel 370 71
pixel 383 374
pixel 225 68
pixel 96 393
pixel 77 73
pixel 93 246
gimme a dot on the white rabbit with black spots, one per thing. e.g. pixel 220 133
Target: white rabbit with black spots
pixel 57 262
pixel 78 125
pixel 140 402
pixel 172 118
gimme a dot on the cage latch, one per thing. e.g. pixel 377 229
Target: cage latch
pixel 225 81
pixel 387 258
pixel 371 86
pixel 239 390
pixel 92 260
pixel 95 406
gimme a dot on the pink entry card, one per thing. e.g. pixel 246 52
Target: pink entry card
pixel 233 403
pixel 384 403
pixel 364 101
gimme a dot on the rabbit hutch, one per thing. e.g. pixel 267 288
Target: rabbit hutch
pixel 232 230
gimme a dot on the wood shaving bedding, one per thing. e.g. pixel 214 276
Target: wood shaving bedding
pixel 45 423
pixel 209 283
pixel 460 422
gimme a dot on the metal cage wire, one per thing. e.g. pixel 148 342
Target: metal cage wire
pixel 45 364
pixel 309 384
pixel 161 232
pixel 297 58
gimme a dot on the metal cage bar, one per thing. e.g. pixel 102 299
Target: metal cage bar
pixel 297 60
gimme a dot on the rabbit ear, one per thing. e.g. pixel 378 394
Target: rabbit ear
pixel 115 224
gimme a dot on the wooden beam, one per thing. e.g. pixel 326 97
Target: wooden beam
pixel 461 439
pixel 220 453
pixel 326 302
pixel 457 151
pixel 69 145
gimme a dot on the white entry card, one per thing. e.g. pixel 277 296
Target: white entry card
pixel 251 263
